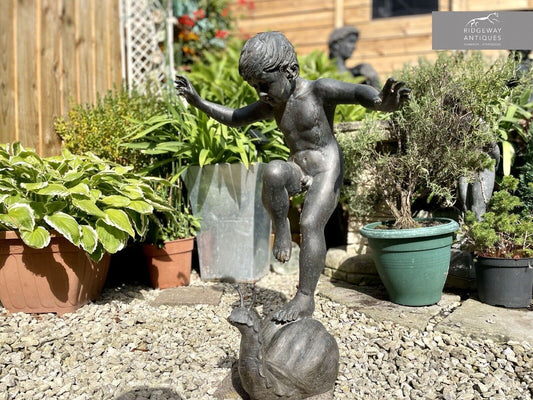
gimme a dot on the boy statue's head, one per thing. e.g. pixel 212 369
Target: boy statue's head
pixel 268 52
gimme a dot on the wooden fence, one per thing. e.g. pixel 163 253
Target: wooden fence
pixel 53 53
pixel 385 43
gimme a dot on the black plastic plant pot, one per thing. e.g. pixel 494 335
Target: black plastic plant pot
pixel 505 282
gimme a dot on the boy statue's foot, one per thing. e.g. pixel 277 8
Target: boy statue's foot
pixel 302 305
pixel 282 243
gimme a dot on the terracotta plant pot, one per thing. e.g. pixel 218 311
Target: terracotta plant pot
pixel 57 279
pixel 169 266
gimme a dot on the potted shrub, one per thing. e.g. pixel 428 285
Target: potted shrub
pixel 61 216
pixel 503 245
pixel 169 243
pixel 442 134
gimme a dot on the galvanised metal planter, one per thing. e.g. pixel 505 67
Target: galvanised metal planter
pixel 234 239
pixel 412 263
pixel 504 282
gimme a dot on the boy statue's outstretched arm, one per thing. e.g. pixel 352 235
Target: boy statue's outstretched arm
pixel 226 115
pixel 391 97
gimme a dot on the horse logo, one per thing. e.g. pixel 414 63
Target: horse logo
pixel 491 18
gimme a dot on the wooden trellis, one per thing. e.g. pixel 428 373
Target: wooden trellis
pixel 146 25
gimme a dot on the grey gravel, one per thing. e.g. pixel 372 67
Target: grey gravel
pixel 127 347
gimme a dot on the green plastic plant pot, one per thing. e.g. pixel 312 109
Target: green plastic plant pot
pixel 412 263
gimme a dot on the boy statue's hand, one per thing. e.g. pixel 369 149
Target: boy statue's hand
pixel 393 95
pixel 185 88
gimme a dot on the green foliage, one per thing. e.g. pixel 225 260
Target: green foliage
pixel 100 128
pixel 505 230
pixel 166 227
pixel 441 134
pixel 95 204
pixel 515 124
pixel 188 135
pixel 525 186
pixel 318 65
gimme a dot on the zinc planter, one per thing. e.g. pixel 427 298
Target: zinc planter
pixel 234 239
pixel 504 282
pixel 59 278
pixel 169 266
pixel 412 263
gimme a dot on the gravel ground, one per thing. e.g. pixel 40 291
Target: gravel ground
pixel 123 348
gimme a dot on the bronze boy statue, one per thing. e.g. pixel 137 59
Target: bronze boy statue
pixel 304 112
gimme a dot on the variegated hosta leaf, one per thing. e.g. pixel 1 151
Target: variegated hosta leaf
pixel 19 216
pixel 88 206
pixel 142 207
pixel 81 189
pixel 73 176
pixel 133 192
pixel 53 189
pixel 120 220
pixel 116 201
pixel 98 253
pixel 89 238
pixel 38 238
pixel 55 206
pixel 158 205
pixel 95 194
pixel 34 186
pixel 121 170
pixel 65 225
pixel 112 239
pixel 139 222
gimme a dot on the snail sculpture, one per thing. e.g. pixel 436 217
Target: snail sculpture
pixel 294 360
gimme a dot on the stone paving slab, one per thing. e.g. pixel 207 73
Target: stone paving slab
pixel 189 295
pixel 482 321
pixel 373 302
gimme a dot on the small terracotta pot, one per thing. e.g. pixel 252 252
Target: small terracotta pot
pixel 169 266
pixel 57 279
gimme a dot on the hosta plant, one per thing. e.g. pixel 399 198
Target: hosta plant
pixel 96 205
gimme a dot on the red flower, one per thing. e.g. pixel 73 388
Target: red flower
pixel 224 12
pixel 199 14
pixel 249 3
pixel 186 20
pixel 221 34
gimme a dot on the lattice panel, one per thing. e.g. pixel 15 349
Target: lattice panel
pixel 145 27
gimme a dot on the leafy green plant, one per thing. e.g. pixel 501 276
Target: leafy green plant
pixel 187 134
pixel 166 227
pixel 95 204
pixel 515 125
pixel 441 134
pixel 525 177
pixel 317 65
pixel 505 230
pixel 100 128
